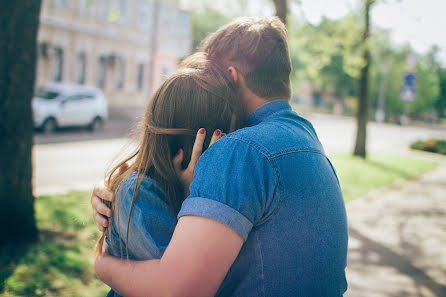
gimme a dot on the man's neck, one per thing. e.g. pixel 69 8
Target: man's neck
pixel 251 101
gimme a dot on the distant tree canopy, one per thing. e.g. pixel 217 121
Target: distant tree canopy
pixel 205 22
pixel 328 56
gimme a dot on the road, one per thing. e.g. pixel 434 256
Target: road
pixel 397 240
pixel 75 160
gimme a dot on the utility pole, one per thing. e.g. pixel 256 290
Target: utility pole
pixel 380 113
pixel 154 43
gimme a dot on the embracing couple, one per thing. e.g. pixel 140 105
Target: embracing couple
pixel 230 192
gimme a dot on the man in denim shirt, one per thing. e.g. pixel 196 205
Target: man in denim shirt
pixel 265 215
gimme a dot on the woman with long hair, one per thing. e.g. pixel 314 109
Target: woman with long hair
pixel 147 188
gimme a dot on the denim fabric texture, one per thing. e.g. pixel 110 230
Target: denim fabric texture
pixel 272 183
pixel 151 226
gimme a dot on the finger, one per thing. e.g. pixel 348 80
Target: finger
pixel 100 207
pixel 105 249
pixel 216 136
pixel 123 167
pixel 102 192
pixel 198 147
pixel 223 134
pixel 100 228
pixel 177 160
pixel 100 220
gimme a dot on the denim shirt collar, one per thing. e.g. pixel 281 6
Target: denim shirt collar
pixel 266 110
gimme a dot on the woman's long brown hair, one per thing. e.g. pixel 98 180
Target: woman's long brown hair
pixel 199 95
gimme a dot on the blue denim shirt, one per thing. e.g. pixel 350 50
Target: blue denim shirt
pixel 151 226
pixel 275 187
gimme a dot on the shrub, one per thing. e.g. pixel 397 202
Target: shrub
pixel 431 145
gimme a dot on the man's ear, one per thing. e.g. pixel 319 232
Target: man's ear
pixel 233 72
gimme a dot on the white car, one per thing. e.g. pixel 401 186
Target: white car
pixel 65 105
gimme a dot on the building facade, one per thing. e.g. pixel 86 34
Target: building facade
pixel 125 47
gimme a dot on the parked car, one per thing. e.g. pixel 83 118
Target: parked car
pixel 65 105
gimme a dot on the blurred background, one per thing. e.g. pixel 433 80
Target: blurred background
pixel 76 76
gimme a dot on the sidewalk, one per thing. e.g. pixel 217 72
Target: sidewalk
pixel 397 244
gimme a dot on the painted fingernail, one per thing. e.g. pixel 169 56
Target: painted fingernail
pixel 217 132
pixel 201 131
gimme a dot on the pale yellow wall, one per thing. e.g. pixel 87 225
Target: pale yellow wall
pixel 74 33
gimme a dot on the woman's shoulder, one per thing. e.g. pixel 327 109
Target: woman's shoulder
pixel 148 189
pixel 146 183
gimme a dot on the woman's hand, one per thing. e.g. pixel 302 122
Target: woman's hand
pixel 187 174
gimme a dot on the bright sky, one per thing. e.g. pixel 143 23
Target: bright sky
pixel 418 22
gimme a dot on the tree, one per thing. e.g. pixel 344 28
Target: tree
pixel 281 9
pixel 205 22
pixel 440 103
pixel 363 104
pixel 326 55
pixel 18 33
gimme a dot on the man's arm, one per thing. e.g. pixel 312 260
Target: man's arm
pixel 101 212
pixel 194 264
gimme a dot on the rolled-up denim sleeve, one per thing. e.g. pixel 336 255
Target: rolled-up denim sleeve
pixel 234 183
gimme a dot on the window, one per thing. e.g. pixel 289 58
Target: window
pixel 43 49
pixel 63 4
pixel 164 73
pixel 101 72
pixel 89 96
pixel 145 18
pixel 81 65
pixel 184 23
pixel 73 98
pixel 123 9
pixel 86 8
pixel 120 73
pixel 104 9
pixel 46 94
pixel 140 80
pixel 57 65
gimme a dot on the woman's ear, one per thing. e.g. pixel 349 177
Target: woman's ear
pixel 233 72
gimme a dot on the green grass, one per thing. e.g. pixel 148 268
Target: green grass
pixel 358 176
pixel 61 264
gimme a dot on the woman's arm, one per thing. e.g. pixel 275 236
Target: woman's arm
pixel 195 263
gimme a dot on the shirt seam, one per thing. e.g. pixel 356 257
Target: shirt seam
pixel 276 182
pixel 292 151
pixel 251 144
pixel 255 121
pixel 228 223
pixel 261 264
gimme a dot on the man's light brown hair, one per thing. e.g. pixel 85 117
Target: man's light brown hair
pixel 258 49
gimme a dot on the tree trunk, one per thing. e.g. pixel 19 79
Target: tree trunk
pixel 18 33
pixel 281 9
pixel 363 104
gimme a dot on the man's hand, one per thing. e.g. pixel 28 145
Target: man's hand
pixel 187 174
pixel 101 211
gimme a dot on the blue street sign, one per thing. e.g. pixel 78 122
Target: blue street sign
pixel 408 92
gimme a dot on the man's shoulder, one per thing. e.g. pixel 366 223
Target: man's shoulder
pixel 277 135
